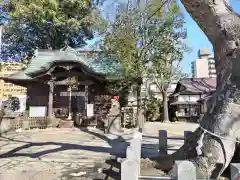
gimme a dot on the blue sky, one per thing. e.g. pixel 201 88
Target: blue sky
pixel 196 39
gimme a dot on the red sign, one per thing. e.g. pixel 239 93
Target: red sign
pixel 116 97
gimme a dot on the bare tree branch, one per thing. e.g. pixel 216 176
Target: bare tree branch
pixel 158 9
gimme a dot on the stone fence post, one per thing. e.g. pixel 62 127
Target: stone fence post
pixel 185 170
pixel 162 138
pixel 187 134
pixel 130 167
pixel 26 120
pixel 235 171
pixel 163 141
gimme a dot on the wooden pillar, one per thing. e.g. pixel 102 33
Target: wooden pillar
pixel 70 103
pixel 50 103
pixel 86 99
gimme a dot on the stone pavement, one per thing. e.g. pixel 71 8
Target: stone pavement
pixel 69 154
pixel 51 154
pixel 175 133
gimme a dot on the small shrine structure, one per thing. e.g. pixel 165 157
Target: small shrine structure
pixel 68 85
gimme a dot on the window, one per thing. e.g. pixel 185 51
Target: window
pixel 211 66
pixel 212 71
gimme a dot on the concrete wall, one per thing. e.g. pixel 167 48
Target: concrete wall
pixel 201 68
pixel 191 98
pixel 204 66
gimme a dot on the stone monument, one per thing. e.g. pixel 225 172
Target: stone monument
pixel 113 119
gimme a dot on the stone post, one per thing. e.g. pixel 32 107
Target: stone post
pixel 136 145
pixel 187 134
pixel 50 103
pixel 141 119
pixel 70 102
pixel 130 167
pixel 235 171
pixel 163 142
pixel 26 123
pixel 186 170
pixel 129 170
pixel 86 99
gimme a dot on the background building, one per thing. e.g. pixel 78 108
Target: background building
pixel 189 100
pixel 9 89
pixel 204 66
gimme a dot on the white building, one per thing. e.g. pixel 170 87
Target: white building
pixel 204 66
pixel 149 88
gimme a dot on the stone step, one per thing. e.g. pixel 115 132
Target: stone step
pixel 109 172
pixel 113 163
pixel 117 159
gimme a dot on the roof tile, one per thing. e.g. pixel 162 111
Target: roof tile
pixel 44 59
pixel 201 85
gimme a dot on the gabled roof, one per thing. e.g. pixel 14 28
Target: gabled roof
pixel 206 97
pixel 196 85
pixel 45 59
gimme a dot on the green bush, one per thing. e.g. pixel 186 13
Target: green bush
pixel 153 106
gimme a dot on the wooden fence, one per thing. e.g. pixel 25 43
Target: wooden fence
pixel 29 123
pixel 15 123
pixel 130 166
pixel 38 122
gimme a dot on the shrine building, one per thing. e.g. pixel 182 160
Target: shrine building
pixel 67 84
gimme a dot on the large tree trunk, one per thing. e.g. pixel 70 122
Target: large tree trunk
pixel 165 106
pixel 211 154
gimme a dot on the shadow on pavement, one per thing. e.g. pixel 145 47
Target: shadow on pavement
pixel 63 146
pixel 111 167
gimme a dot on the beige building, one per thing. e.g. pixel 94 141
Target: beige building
pixel 204 66
pixel 9 89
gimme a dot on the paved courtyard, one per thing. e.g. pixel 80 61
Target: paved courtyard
pixel 69 154
pixel 54 154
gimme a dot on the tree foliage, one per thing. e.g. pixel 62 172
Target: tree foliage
pixel 148 41
pixel 140 27
pixel 167 51
pixel 47 24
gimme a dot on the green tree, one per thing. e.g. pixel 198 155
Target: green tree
pixel 132 38
pixel 49 24
pixel 212 146
pixel 166 52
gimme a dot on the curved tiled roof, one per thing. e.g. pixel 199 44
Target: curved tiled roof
pixel 198 85
pixel 45 59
